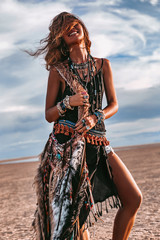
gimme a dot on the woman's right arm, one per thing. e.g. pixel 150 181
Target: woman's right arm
pixel 51 111
pixel 54 83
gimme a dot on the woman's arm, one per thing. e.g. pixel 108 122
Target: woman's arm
pixel 51 111
pixel 112 106
pixel 55 81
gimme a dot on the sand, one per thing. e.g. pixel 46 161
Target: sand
pixel 18 199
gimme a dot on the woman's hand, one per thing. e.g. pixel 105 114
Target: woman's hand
pixel 86 124
pixel 79 99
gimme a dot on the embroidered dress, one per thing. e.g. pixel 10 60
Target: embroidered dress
pixel 74 177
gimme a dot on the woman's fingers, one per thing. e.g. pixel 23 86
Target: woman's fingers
pixel 84 93
pixel 79 126
pixel 78 123
pixel 83 126
pixel 80 99
pixel 81 130
pixel 84 98
pixel 84 132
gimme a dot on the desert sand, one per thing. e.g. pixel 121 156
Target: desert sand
pixel 18 199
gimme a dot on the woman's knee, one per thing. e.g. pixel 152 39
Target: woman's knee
pixel 138 199
pixel 134 202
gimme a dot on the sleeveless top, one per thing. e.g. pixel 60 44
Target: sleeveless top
pixel 95 101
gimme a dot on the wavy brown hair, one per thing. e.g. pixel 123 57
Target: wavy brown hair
pixel 54 46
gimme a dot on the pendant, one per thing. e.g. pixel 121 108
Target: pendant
pixel 58 155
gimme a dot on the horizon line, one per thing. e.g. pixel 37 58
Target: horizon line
pixel 120 148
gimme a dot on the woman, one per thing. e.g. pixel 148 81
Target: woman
pixel 79 170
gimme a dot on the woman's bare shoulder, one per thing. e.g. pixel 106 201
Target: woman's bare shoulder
pixel 106 62
pixel 102 63
pixel 100 59
pixel 54 74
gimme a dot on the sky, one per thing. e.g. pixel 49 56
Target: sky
pixel 125 32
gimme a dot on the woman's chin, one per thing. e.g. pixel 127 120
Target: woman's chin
pixel 76 41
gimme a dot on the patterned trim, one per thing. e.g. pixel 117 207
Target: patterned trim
pixel 92 136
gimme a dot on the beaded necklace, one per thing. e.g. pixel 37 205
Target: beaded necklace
pixel 80 65
pixel 91 67
pixel 74 67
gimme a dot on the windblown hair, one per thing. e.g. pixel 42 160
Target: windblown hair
pixel 53 46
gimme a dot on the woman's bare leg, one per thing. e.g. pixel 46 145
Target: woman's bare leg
pixel 130 196
pixel 84 235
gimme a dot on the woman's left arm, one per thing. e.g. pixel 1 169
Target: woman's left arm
pixel 112 106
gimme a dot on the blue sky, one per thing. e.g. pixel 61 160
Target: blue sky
pixel 125 32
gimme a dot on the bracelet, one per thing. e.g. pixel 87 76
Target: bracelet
pixel 66 103
pixel 63 107
pixel 100 115
pixel 60 110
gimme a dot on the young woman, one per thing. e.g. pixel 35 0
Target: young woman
pixel 79 169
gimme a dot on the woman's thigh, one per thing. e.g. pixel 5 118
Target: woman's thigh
pixel 128 191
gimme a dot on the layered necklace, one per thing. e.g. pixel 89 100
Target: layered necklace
pixel 85 73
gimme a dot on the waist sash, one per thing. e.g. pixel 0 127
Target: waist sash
pixel 94 137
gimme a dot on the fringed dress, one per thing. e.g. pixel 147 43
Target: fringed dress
pixel 74 177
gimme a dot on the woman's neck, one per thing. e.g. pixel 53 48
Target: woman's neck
pixel 78 53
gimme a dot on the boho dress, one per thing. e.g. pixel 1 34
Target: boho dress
pixel 74 177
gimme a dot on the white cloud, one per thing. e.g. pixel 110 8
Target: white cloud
pixel 155 56
pixel 113 31
pixel 136 75
pixel 33 81
pixel 99 3
pixel 6 48
pixel 153 2
pixel 119 31
pixel 133 132
pixel 22 23
pixel 21 108
pixel 126 31
pixel 139 126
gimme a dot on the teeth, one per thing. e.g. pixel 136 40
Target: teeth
pixel 72 33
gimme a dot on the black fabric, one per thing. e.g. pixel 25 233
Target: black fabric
pixel 96 102
pixel 96 157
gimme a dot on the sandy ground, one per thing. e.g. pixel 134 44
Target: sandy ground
pixel 18 200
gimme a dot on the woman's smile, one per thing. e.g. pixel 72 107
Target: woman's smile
pixel 74 30
pixel 75 33
pixel 72 33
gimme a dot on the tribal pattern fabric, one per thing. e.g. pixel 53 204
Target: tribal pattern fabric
pixel 61 184
pixel 71 80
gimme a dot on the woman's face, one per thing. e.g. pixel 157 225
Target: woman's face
pixel 74 35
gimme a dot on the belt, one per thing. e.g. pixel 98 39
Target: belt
pixel 94 137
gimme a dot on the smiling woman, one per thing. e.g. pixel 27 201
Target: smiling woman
pixel 54 46
pixel 74 35
pixel 79 170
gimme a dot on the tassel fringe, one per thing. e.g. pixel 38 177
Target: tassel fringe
pixel 91 138
pixel 112 201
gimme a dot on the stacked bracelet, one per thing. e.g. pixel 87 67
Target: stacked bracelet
pixel 63 105
pixel 66 103
pixel 60 110
pixel 100 115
